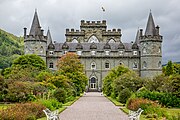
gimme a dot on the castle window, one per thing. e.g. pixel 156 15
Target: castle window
pixel 93 39
pixel 79 52
pixel 74 40
pixel 107 65
pixel 93 65
pixel 41 49
pixel 51 52
pixel 65 52
pixel 111 41
pixel 159 51
pixel 144 64
pixel 144 51
pixel 135 66
pixel 120 52
pixel 159 64
pixel 51 65
pixel 134 52
pixel 121 63
pixel 93 52
pixel 107 52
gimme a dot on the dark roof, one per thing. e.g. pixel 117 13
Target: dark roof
pixel 51 46
pixel 86 46
pixel 150 28
pixel 35 27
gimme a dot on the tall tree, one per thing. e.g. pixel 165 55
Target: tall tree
pixel 70 66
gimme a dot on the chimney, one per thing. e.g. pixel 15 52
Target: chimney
pixel 25 31
pixel 141 32
pixel 42 32
pixel 157 30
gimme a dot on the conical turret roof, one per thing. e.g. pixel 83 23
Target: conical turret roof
pixel 150 28
pixel 35 27
pixel 49 38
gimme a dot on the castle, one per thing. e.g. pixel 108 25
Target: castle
pixel 99 49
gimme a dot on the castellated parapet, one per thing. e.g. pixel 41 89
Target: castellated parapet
pixel 91 24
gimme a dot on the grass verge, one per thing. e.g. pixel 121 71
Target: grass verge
pixel 115 101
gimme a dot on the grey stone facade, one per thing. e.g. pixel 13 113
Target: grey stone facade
pixel 99 49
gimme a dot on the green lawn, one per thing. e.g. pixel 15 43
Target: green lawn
pixel 4 106
pixel 115 101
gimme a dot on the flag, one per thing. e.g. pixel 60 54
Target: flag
pixel 103 9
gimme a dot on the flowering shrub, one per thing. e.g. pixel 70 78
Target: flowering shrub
pixel 26 111
pixel 150 108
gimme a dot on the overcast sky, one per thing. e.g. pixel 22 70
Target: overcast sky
pixel 125 14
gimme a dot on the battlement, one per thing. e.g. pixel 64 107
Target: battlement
pixel 112 32
pixel 31 37
pixel 151 38
pixel 93 23
pixel 74 32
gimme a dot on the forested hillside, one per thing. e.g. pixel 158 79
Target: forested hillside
pixel 11 46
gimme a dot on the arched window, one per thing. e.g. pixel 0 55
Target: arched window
pixel 107 65
pixel 93 39
pixel 121 63
pixel 135 65
pixel 144 51
pixel 159 51
pixel 107 52
pixel 111 41
pixel 79 52
pixel 93 65
pixel 159 64
pixel 51 65
pixel 41 49
pixel 74 40
pixel 144 64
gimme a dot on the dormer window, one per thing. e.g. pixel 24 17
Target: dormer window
pixel 134 52
pixel 120 52
pixel 93 52
pixel 107 52
pixel 51 52
pixel 79 52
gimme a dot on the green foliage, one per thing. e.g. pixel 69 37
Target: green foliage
pixel 171 68
pixel 31 61
pixel 51 104
pixel 60 94
pixel 151 109
pixel 175 84
pixel 124 95
pixel 70 66
pixel 27 111
pixel 166 99
pixel 10 46
pixel 111 76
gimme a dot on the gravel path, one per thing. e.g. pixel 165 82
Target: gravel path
pixel 93 106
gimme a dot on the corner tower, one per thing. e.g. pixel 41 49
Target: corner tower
pixel 35 42
pixel 150 50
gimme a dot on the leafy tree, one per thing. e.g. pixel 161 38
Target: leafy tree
pixel 175 84
pixel 108 86
pixel 26 61
pixel 70 66
pixel 70 63
pixel 124 95
pixel 168 70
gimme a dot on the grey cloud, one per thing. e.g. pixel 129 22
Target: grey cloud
pixel 125 14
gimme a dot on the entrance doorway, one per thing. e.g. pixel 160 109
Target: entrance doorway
pixel 93 83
